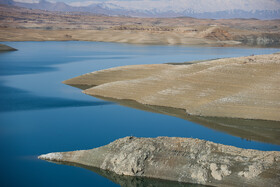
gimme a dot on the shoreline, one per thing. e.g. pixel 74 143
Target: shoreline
pixel 119 36
pixel 249 129
pixel 131 82
pixel 114 36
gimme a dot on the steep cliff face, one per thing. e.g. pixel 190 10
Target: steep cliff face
pixel 180 159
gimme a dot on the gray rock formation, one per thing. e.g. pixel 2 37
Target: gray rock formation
pixel 262 40
pixel 180 159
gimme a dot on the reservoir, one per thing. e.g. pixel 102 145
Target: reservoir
pixel 39 114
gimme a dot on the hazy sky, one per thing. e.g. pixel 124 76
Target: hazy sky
pixel 127 0
pixel 180 5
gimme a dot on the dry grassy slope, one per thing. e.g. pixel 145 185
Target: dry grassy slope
pixel 244 87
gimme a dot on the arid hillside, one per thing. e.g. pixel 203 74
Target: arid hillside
pixel 243 87
pixel 21 24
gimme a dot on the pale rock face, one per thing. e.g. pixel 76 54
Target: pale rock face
pixel 219 173
pixel 199 175
pixel 252 171
pixel 52 157
pixel 180 159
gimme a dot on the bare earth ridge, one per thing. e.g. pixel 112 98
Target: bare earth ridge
pixel 243 87
pixel 180 159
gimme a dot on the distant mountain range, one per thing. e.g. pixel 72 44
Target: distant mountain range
pixel 261 9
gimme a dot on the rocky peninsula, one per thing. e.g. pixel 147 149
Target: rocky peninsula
pixel 180 159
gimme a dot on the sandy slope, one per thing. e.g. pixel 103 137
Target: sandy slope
pixel 244 87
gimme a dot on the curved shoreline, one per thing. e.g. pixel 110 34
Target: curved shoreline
pixel 243 87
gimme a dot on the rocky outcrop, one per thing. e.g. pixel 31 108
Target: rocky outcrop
pixel 243 87
pixel 262 40
pixel 218 34
pixel 180 159
pixel 6 48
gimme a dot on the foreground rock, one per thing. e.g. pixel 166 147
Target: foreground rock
pixel 6 48
pixel 244 87
pixel 180 159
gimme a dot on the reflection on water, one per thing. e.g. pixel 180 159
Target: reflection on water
pixel 13 99
pixel 129 181
pixel 258 130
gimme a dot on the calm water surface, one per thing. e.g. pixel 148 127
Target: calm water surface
pixel 39 114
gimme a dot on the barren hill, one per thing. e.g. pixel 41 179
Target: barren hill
pixel 243 87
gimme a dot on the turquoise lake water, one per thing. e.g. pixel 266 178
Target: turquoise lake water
pixel 39 114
